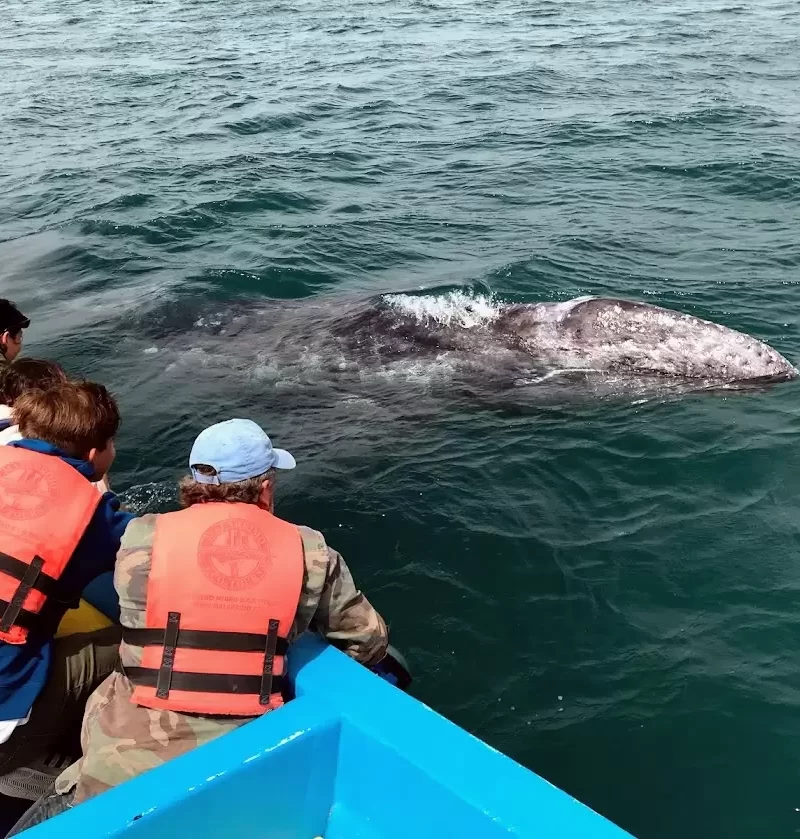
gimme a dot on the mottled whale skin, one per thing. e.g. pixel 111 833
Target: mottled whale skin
pixel 463 343
pixel 608 334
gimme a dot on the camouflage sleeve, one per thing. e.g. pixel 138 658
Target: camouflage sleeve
pixel 346 618
pixel 130 580
pixel 133 564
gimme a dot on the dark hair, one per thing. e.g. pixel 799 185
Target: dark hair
pixel 76 417
pixel 26 374
pixel 242 492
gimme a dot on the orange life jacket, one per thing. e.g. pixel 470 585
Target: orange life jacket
pixel 45 507
pixel 222 594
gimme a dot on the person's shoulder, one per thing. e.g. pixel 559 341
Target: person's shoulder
pixel 317 556
pixel 135 550
pixel 315 548
pixel 139 531
pixel 312 539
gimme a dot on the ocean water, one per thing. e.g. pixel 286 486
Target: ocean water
pixel 604 588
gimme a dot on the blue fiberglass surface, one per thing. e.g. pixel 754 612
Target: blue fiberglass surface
pixel 349 758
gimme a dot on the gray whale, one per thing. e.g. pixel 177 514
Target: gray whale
pixel 601 345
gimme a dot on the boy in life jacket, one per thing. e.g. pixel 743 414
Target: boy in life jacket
pixel 12 322
pixel 203 593
pixel 57 534
pixel 22 376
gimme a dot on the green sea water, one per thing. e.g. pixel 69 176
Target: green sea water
pixel 606 589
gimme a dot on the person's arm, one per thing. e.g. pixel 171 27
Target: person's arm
pixel 100 542
pixel 346 618
pixel 117 520
pixel 96 554
pixel 103 485
pixel 133 568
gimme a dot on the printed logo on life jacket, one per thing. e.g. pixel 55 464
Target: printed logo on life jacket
pixel 234 554
pixel 25 492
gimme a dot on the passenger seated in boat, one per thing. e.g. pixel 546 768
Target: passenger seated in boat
pixel 57 534
pixel 203 593
pixel 22 376
pixel 12 322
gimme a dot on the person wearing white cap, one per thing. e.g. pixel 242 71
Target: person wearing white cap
pixel 211 596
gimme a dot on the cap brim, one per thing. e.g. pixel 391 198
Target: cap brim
pixel 283 460
pixel 18 323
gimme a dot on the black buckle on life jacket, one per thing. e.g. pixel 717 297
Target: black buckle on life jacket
pixel 170 642
pixel 269 662
pixel 28 582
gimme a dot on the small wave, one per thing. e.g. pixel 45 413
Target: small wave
pixel 256 201
pixel 162 230
pixel 273 121
pixel 765 180
pixel 456 308
pixel 124 202
pixel 702 118
pixel 266 124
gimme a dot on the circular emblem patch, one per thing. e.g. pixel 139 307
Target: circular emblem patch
pixel 233 554
pixel 26 493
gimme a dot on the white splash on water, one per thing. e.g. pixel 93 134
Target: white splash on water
pixel 148 498
pixel 413 371
pixel 455 308
pixel 213 320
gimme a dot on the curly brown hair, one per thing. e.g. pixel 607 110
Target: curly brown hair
pixel 236 492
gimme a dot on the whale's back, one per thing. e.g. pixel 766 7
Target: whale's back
pixel 613 335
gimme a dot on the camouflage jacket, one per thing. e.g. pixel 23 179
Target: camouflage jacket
pixel 121 740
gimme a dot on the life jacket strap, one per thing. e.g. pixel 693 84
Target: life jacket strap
pixel 168 655
pixel 13 607
pixel 21 617
pixel 267 677
pixel 202 682
pixel 13 567
pixel 202 639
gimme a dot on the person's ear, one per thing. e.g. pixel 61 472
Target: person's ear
pixel 266 497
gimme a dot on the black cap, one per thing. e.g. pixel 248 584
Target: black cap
pixel 11 319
